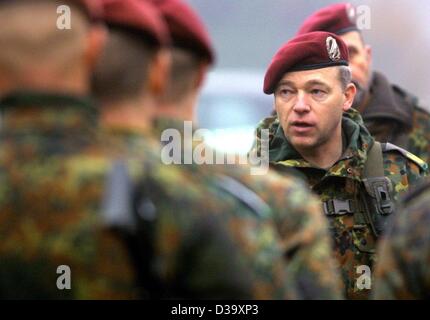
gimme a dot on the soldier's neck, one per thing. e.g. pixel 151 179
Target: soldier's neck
pixel 182 110
pixel 136 114
pixel 74 83
pixel 325 155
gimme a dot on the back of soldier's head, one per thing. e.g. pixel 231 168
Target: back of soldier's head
pixel 39 37
pixel 136 35
pixel 191 48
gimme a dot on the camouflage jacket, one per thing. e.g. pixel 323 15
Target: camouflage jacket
pixel 394 115
pixel 52 172
pixel 203 243
pixel 403 269
pixel 353 233
pixel 62 204
pixel 285 204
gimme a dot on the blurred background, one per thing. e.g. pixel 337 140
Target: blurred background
pixel 247 33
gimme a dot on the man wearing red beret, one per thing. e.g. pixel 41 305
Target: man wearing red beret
pixel 299 222
pixel 357 178
pixel 198 239
pixel 390 113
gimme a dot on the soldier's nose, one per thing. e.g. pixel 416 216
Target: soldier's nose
pixel 301 105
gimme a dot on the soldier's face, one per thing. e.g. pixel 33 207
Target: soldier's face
pixel 360 58
pixel 310 106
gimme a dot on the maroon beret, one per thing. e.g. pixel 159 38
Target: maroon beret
pixel 314 50
pixel 338 18
pixel 137 16
pixel 186 28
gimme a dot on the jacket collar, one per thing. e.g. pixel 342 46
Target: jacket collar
pixel 351 164
pixel 385 103
pixel 47 112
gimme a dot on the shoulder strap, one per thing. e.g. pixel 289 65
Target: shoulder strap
pixel 374 166
pixel 410 156
pixel 244 195
pixel 379 190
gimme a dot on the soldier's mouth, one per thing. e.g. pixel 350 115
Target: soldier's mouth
pixel 302 124
pixel 301 127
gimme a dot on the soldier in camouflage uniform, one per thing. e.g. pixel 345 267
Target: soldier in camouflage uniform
pixel 248 207
pixel 51 166
pixel 357 186
pixel 65 196
pixel 403 269
pixel 177 231
pixel 390 113
pixel 56 169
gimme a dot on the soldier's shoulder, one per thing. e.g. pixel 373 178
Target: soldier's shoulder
pixel 420 190
pixel 268 122
pixel 389 148
pixel 411 99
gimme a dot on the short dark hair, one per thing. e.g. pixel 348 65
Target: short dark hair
pixel 122 71
pixel 183 72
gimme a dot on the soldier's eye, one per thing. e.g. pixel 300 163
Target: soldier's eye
pixel 317 93
pixel 283 92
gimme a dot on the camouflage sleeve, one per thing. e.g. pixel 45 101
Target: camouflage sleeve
pixel 419 138
pixel 57 224
pixel 232 258
pixel 404 169
pixel 210 246
pixel 266 123
pixel 403 271
pixel 307 243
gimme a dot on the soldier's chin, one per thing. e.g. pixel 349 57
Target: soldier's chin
pixel 302 143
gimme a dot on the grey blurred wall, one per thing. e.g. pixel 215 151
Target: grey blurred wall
pixel 247 33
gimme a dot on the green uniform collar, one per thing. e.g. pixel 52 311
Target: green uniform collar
pixel 32 110
pixel 357 141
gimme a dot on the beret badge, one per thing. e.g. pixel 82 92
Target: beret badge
pixel 332 48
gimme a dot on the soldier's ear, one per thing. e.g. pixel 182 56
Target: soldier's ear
pixel 349 93
pixel 96 41
pixel 158 72
pixel 369 53
pixel 201 75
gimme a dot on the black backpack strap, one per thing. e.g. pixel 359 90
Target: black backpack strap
pixel 379 201
pixel 244 195
pixel 128 211
pixel 374 166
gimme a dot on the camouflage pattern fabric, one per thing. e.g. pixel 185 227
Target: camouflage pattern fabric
pixel 51 173
pixel 403 269
pixel 54 168
pixel 354 240
pixel 291 209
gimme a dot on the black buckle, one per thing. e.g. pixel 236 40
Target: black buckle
pixel 380 189
pixel 335 207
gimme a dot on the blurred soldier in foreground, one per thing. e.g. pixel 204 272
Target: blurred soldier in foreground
pixel 56 170
pixel 52 169
pixel 199 236
pixel 403 269
pixel 390 113
pixel 297 215
pixel 190 238
pixel 357 179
